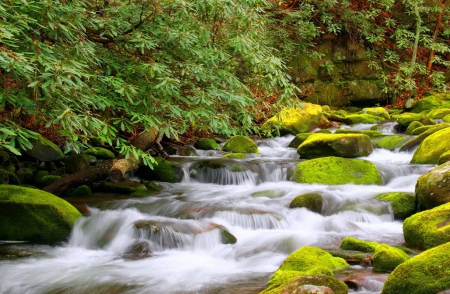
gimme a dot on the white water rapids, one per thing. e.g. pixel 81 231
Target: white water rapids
pixel 250 199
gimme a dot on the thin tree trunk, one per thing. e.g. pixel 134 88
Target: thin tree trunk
pixel 437 28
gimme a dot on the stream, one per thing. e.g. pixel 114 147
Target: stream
pixel 249 197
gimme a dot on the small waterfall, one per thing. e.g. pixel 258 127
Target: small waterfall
pixel 252 221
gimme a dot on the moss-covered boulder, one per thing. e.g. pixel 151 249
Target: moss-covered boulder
pixel 24 174
pixel 241 144
pixel 435 101
pixel 206 144
pixel 100 153
pixel 351 243
pixel 353 257
pixel 363 118
pixel 124 187
pixel 82 191
pixel 386 258
pixel 432 148
pixel 46 180
pixel 445 157
pixel 299 139
pixel 446 119
pixel 429 228
pixel 76 163
pixel 420 130
pixel 377 111
pixel 337 171
pixel 370 133
pixel 405 119
pixel 416 141
pixel 342 145
pixel 306 284
pixel 311 201
pixel 44 150
pixel 425 273
pixel 439 113
pixel 307 261
pixel 164 171
pixel 433 187
pixel 235 155
pixel 303 118
pixel 35 216
pixel 403 204
pixel 412 126
pixel 389 142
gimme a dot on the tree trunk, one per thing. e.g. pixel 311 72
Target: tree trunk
pixel 437 28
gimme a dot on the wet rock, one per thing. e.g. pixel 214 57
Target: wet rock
pixel 386 258
pixel 351 243
pixel 436 101
pixel 370 133
pixel 318 283
pixel 187 150
pixel 405 119
pixel 165 171
pixel 353 257
pixel 33 215
pixel 422 129
pixel 337 171
pixel 100 153
pixel 412 126
pixel 124 187
pixel 303 118
pixel 44 150
pixel 267 193
pixel 389 142
pixel 312 289
pixel 311 201
pixel 342 145
pixel 138 250
pixel 76 163
pixel 403 204
pixel 433 187
pixel 83 190
pixel 377 111
pixel 423 273
pixel 432 148
pixel 299 139
pixel 364 118
pixel 428 228
pixel 153 186
pixel 445 157
pixel 414 142
pixel 47 180
pixel 235 155
pixel 207 144
pixel 241 144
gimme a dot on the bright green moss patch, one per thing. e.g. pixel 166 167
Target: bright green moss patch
pixel 337 171
pixel 235 155
pixel 439 113
pixel 311 201
pixel 206 144
pixel 364 118
pixel 432 148
pixel 420 130
pixel 165 171
pixel 299 139
pixel 292 285
pixel 414 142
pixel 433 187
pixel 241 144
pixel 446 119
pixel 407 118
pixel 428 272
pixel 83 190
pixel 351 243
pixel 403 204
pixel 412 126
pixel 387 258
pixel 33 215
pixel 444 157
pixel 370 133
pixel 377 111
pixel 100 153
pixel 389 142
pixel 438 100
pixel 428 228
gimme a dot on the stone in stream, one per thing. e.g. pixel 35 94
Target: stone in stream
pixel 351 243
pixel 444 157
pixel 403 204
pixel 425 273
pixel 124 187
pixel 433 187
pixel 416 141
pixel 164 171
pixel 412 126
pixel 311 201
pixel 389 142
pixel 435 101
pixel 363 118
pixel 405 119
pixel 386 258
pixel 207 144
pixel 432 148
pixel 377 111
pixel 299 139
pixel 138 250
pixel 241 144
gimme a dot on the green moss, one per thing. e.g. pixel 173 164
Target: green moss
pixel 206 144
pixel 25 175
pixel 433 187
pixel 125 187
pixel 412 126
pixel 446 119
pixel 403 204
pixel 352 256
pixel 322 132
pixel 406 118
pixel 100 153
pixel 377 111
pixel 432 102
pixel 292 285
pixel 439 113
pixel 432 148
pixel 428 228
pixel 420 130
pixel 342 145
pixel 311 201
pixel 241 144
pixel 267 193
pixel 164 171
pixel 351 243
pixel 389 142
pixel 76 163
pixel 235 155
pixel 428 272
pixel 44 150
pixel 387 258
pixel 337 171
pixel 83 190
pixel 33 215
pixel 47 180
pixel 153 186
pixel 226 237
pixel 364 118
pixel 299 139
pixel 414 142
pixel 444 157
pixel 370 133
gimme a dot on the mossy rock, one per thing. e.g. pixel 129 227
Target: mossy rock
pixel 241 144
pixel 303 118
pixel 439 113
pixel 235 155
pixel 100 153
pixel 83 190
pixel 370 133
pixel 153 186
pixel 207 144
pixel 39 175
pixel 386 258
pixel 425 273
pixel 322 132
pixel 337 171
pixel 364 118
pixel 299 139
pixel 47 180
pixel 35 216
pixel 76 163
pixel 446 119
pixel 414 142
pixel 307 261
pixel 351 243
pixel 226 237
pixel 44 150
pixel 377 111
pixel 412 126
pixel 433 187
pixel 403 204
pixel 24 174
pixel 164 171
pixel 420 130
pixel 407 118
pixel 353 257
pixel 342 145
pixel 267 193
pixel 311 201
pixel 445 157
pixel 9 177
pixel 429 228
pixel 432 102
pixel 389 142
pixel 432 148
pixel 295 285
pixel 125 187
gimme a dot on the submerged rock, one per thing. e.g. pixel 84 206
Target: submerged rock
pixel 425 273
pixel 433 187
pixel 337 171
pixel 432 148
pixel 386 258
pixel 33 215
pixel 311 201
pixel 403 204
pixel 235 155
pixel 241 144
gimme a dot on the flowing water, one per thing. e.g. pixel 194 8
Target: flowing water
pixel 180 239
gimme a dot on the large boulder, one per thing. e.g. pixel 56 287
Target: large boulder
pixel 403 204
pixel 386 258
pixel 433 187
pixel 44 150
pixel 299 139
pixel 428 228
pixel 439 113
pixel 342 145
pixel 407 118
pixel 377 111
pixel 337 171
pixel 294 120
pixel 431 102
pixel 318 284
pixel 425 273
pixel 35 216
pixel 240 144
pixel 432 148
pixel 416 141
